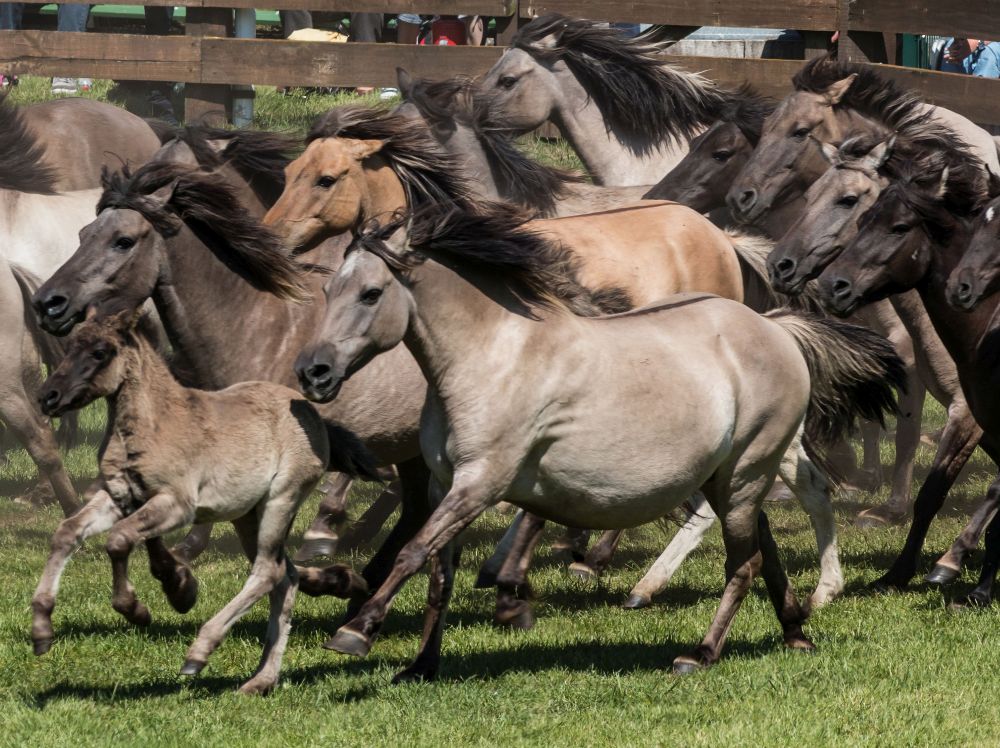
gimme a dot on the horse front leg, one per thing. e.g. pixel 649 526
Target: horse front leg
pixel 175 577
pixel 99 514
pixel 513 606
pixel 982 595
pixel 322 536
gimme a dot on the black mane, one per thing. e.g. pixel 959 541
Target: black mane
pixel 746 109
pixel 429 176
pixel 539 272
pixel 22 155
pixel 212 210
pixel 637 90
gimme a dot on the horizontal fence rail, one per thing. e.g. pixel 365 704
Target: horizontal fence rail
pixel 209 61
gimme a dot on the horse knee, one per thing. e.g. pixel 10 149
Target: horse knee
pixel 119 545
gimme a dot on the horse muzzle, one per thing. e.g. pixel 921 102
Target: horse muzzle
pixel 318 379
pixel 839 295
pixel 964 291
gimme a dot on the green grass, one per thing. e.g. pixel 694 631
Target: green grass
pixel 900 670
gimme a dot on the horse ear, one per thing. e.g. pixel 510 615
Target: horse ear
pixel 163 195
pixel 836 92
pixel 90 314
pixel 404 81
pixel 399 241
pixel 831 153
pixel 880 153
pixel 365 148
pixel 943 184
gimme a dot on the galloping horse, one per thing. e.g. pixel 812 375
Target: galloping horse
pixel 559 413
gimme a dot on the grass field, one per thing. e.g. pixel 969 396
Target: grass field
pixel 900 670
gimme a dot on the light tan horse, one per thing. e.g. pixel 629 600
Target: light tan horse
pixel 561 414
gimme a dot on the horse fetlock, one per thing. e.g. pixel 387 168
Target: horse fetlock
pixel 181 589
pixel 133 611
pixel 515 614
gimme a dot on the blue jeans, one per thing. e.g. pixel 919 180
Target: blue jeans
pixel 69 17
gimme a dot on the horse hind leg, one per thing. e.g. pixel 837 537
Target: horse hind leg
pixel 193 544
pixel 513 607
pixel 982 595
pixel 812 489
pixel 279 625
pixel 322 536
pixel 688 537
pixel 790 614
pixel 596 560
pixel 175 577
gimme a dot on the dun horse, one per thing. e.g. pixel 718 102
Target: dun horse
pixel 249 454
pixel 511 423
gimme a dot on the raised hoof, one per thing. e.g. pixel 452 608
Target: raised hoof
pixel 415 674
pixel 520 617
pixel 349 642
pixel 685 665
pixel 41 646
pixel 485 580
pixel 316 548
pixel 877 517
pixel 942 574
pixel 973 600
pixel 192 667
pixel 582 572
pixel 256 688
pixel 186 596
pixel 635 602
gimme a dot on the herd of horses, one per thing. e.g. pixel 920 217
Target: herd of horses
pixel 475 327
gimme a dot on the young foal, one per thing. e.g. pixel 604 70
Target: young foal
pixel 249 454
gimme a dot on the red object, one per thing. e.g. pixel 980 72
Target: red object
pixel 448 32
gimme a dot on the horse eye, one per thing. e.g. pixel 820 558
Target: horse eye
pixel 800 133
pixel 99 355
pixel 901 228
pixel 371 296
pixel 722 156
pixel 124 243
pixel 508 82
pixel 325 182
pixel 848 201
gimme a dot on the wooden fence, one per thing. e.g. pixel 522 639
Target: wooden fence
pixel 205 59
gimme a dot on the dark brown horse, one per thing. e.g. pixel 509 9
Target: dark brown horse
pixel 912 238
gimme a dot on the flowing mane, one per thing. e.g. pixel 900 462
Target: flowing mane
pixel 746 109
pixel 169 195
pixel 539 272
pixel 640 94
pixel 521 179
pixel 21 155
pixel 429 176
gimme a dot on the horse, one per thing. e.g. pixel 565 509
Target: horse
pixel 912 237
pixel 180 236
pixel 495 166
pixel 977 274
pixel 52 154
pixel 626 111
pixel 831 100
pixel 250 454
pixel 559 413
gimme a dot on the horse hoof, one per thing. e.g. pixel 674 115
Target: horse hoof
pixel 349 642
pixel 256 688
pixel 519 616
pixel 41 646
pixel 186 595
pixel 877 517
pixel 886 585
pixel 800 643
pixel 974 599
pixel 192 667
pixel 582 571
pixel 485 580
pixel 685 665
pixel 415 674
pixel 316 548
pixel 635 602
pixel 941 575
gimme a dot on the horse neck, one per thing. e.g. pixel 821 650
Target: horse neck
pixel 224 330
pixel 383 193
pixel 452 318
pixel 475 163
pixel 610 159
pixel 148 396
pixel 40 231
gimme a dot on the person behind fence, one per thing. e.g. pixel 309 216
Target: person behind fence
pixel 69 17
pixel 978 57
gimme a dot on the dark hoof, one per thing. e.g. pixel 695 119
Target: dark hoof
pixel 887 585
pixel 519 616
pixel 942 574
pixel 635 602
pixel 192 667
pixel 800 643
pixel 582 572
pixel 349 642
pixel 42 646
pixel 415 674
pixel 685 665
pixel 186 595
pixel 974 599
pixel 485 580
pixel 317 548
pixel 877 517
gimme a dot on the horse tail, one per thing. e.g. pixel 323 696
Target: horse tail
pixel 853 371
pixel 752 250
pixel 49 347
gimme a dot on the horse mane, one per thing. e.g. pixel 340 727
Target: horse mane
pixel 639 93
pixel 429 175
pixel 520 178
pixel 22 155
pixel 746 109
pixel 169 195
pixel 539 272
pixel 253 153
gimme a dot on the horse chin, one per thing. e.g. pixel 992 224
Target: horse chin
pixel 61 328
pixel 322 394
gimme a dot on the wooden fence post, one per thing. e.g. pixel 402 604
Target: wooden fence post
pixel 211 104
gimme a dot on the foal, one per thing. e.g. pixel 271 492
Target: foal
pixel 174 455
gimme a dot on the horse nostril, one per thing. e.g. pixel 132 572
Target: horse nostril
pixel 841 288
pixel 964 290
pixel 55 305
pixel 785 267
pixel 51 398
pixel 746 199
pixel 318 372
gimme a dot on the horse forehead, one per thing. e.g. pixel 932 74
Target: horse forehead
pixel 798 105
pixel 110 220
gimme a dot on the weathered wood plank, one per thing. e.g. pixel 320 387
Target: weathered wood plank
pixel 444 7
pixel 119 56
pixel 205 103
pixel 972 18
pixel 286 63
pixel 788 14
